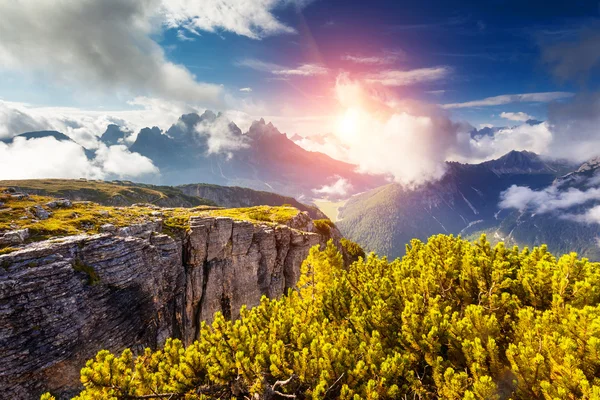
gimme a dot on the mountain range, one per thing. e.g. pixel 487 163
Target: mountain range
pixel 211 149
pixel 466 202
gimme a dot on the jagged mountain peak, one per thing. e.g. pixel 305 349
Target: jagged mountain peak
pixel 519 162
pixel 260 128
pixel 113 135
pixel 43 134
pixel 153 132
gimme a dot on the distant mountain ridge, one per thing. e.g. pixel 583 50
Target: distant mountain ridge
pixel 125 193
pixel 465 201
pixel 209 148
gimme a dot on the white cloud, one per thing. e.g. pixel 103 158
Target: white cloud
pixel 408 77
pixel 84 126
pixel 409 141
pixel 547 200
pixel 535 138
pixel 591 216
pixel 181 35
pixel 575 126
pixel 102 45
pixel 220 137
pixel 119 161
pixel 109 46
pixel 388 57
pixel 275 69
pixel 516 116
pixel 250 18
pixel 50 158
pixel 481 126
pixel 573 203
pixel 337 190
pixel 246 89
pixel 544 97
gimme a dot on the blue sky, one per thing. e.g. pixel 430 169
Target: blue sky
pixel 491 48
pixel 404 74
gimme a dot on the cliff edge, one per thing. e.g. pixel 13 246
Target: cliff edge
pixel 64 299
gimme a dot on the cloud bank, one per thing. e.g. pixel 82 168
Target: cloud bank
pixel 111 46
pixel 220 137
pixel 52 38
pixel 50 158
pixel 516 116
pixel 409 141
pixel 340 189
pixel 250 18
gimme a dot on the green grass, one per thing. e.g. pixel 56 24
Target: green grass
pixel 88 217
pixel 323 226
pixel 93 277
pixel 279 215
pixel 109 193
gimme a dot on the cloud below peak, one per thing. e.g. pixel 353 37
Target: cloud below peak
pixel 516 116
pixel 49 158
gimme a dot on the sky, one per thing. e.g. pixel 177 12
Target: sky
pixel 359 76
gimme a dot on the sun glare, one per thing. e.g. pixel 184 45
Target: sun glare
pixel 349 124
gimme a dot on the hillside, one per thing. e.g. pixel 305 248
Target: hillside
pixel 125 193
pixel 115 193
pixel 234 196
pixel 465 201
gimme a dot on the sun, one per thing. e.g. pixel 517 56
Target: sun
pixel 348 125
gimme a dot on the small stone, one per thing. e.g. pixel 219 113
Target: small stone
pixel 156 214
pixel 40 213
pixel 87 226
pixel 14 237
pixel 19 196
pixel 104 213
pixel 108 228
pixel 65 203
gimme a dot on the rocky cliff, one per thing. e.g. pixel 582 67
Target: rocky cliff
pixel 64 299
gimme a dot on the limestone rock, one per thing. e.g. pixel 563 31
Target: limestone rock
pixel 40 212
pixel 63 300
pixel 60 203
pixel 12 238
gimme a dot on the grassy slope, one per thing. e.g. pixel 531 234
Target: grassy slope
pixel 234 196
pixel 116 193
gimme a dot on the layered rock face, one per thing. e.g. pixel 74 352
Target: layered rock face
pixel 63 300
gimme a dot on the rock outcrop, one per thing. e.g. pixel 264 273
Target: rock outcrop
pixel 63 300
